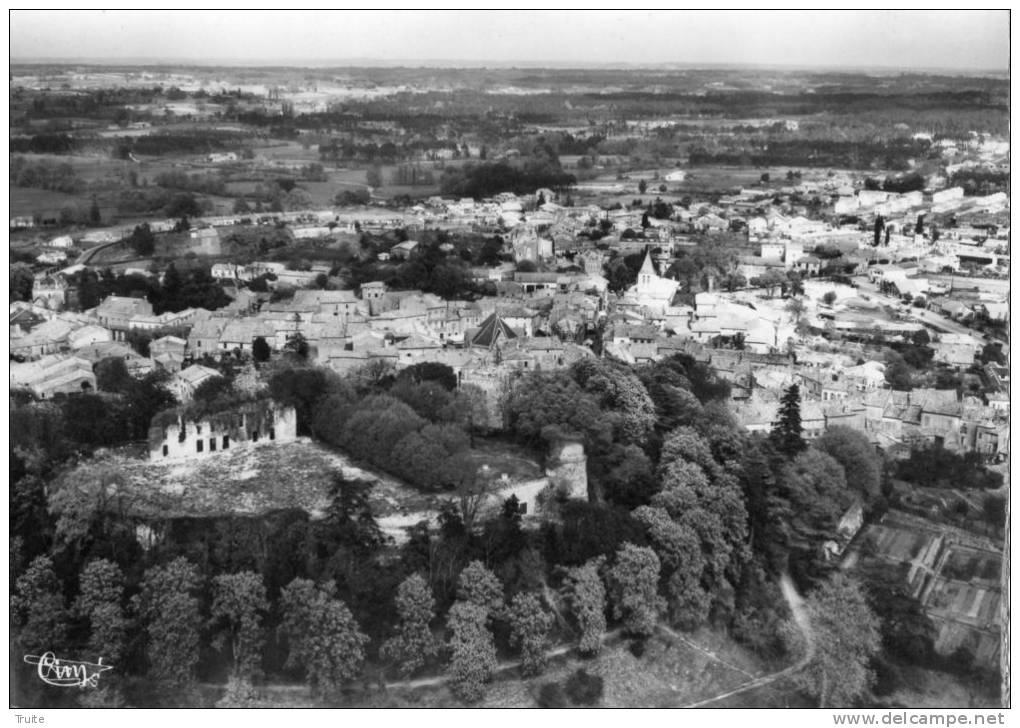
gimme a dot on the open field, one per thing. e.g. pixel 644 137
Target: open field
pixel 31 201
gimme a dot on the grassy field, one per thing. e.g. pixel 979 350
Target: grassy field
pixel 31 201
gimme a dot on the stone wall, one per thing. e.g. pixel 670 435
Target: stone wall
pixel 567 469
pixel 258 422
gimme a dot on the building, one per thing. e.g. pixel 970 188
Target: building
pixel 492 330
pixel 184 383
pixel 116 312
pixel 651 290
pixel 53 375
pixel 173 436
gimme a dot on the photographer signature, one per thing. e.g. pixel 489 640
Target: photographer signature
pixel 67 673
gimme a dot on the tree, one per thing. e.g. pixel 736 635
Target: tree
pixel 349 518
pixel 805 507
pixel 95 217
pixel 897 374
pixel 473 652
pixel 168 606
pixel 100 601
pixel 621 395
pixel 586 596
pixel 112 374
pixel 478 585
pixel 530 623
pixel 846 637
pixel 38 611
pixel 860 461
pixel 413 645
pixel 796 308
pixel 297 345
pixel 373 177
pixel 142 241
pixel 633 586
pixel 239 600
pixel 322 635
pixel 879 227
pixel 430 372
pixel 212 389
pixel 772 281
pixel 22 281
pixel 541 400
pixel 642 186
pixel 908 633
pixel 786 431
pixel 260 350
pixel 829 298
pixel 920 338
pixel 679 550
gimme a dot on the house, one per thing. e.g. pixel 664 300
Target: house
pixel 240 333
pixel 204 337
pixel 48 337
pixel 87 336
pixel 116 312
pixel 168 352
pixel 404 250
pixel 417 348
pixel 808 264
pixel 55 374
pixel 339 304
pixel 757 226
pixel 62 242
pixel 50 291
pixel 51 257
pixel 184 383
pixel 998 401
pixel 136 364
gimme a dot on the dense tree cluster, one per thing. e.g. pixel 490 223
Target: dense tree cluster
pixel 540 168
pixel 179 290
pixel 690 520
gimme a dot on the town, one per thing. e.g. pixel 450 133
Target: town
pixel 578 379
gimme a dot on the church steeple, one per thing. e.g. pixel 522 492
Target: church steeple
pixel 647 273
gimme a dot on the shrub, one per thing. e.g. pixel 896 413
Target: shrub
pixel 584 689
pixel 637 647
pixel 551 695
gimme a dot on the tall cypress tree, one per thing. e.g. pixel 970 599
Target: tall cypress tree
pixel 786 430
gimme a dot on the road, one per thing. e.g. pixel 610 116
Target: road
pixel 86 257
pixel 800 618
pixel 925 316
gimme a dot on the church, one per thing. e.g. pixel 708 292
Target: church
pixel 651 290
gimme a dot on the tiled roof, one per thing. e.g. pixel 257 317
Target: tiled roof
pixel 490 331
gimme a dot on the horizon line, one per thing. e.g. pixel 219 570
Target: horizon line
pixel 460 64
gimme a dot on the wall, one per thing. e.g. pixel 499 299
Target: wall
pixel 238 426
pixel 567 469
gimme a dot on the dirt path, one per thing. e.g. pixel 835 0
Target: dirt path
pixel 425 682
pixel 800 617
pixel 695 646
pixel 790 594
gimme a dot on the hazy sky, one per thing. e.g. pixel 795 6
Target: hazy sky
pixel 964 40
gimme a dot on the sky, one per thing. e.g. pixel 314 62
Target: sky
pixel 952 40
